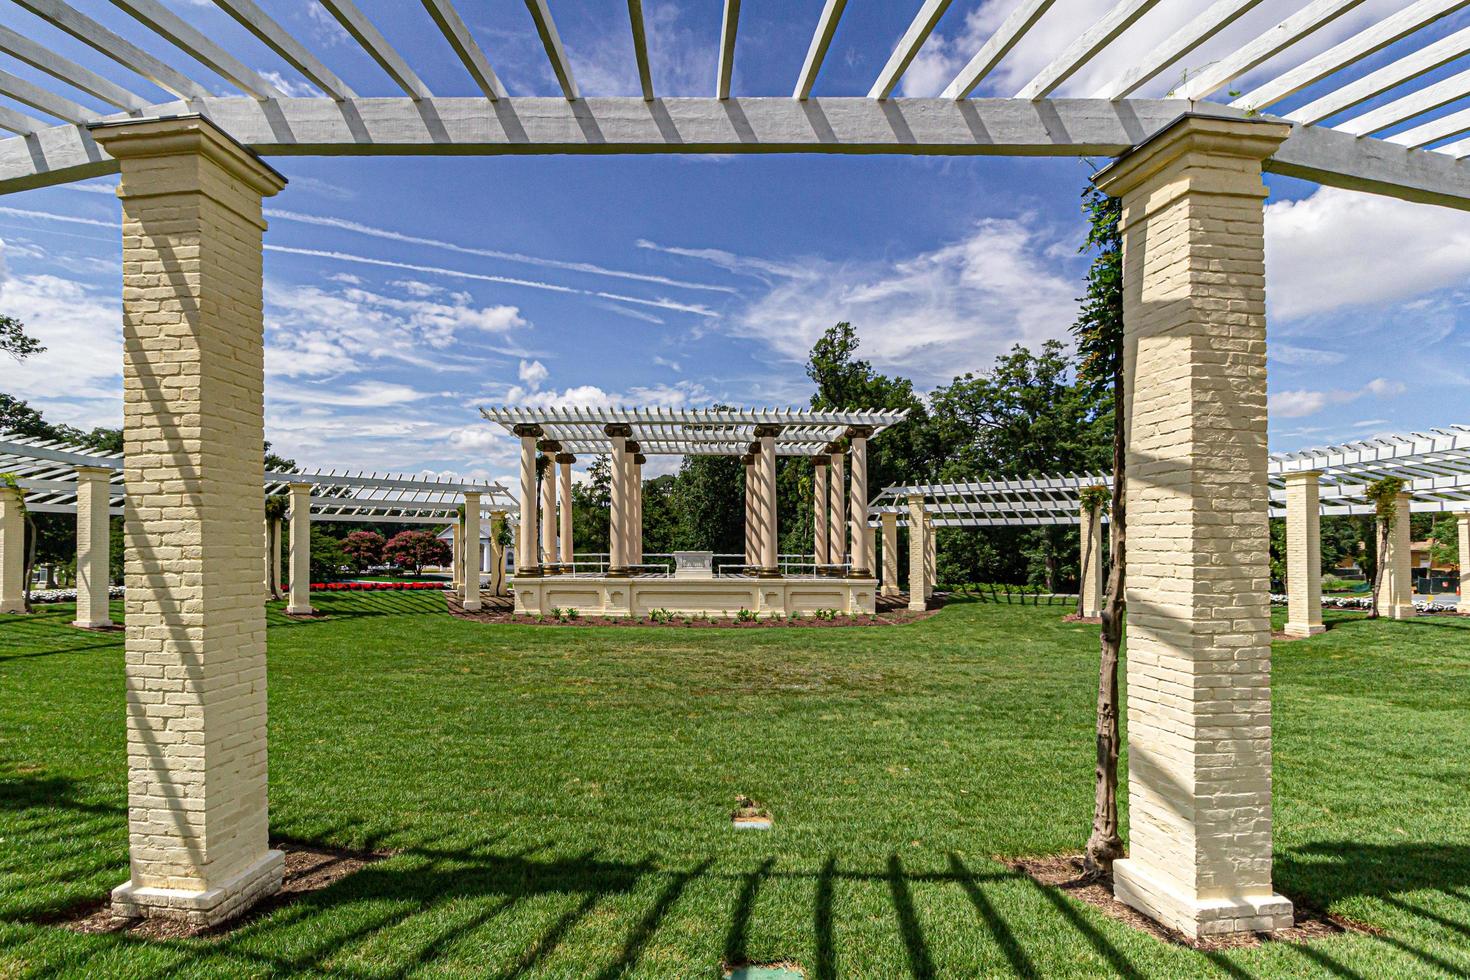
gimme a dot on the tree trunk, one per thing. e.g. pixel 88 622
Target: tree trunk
pixel 1382 532
pixel 1105 845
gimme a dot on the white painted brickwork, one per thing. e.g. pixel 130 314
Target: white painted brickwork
pixel 919 532
pixel 1091 553
pixel 1463 522
pixel 12 552
pixel 193 371
pixel 93 541
pixel 1199 628
pixel 1396 592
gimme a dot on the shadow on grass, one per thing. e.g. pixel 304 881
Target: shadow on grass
pixel 359 605
pixel 1333 870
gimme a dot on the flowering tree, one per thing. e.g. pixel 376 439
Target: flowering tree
pixel 364 548
pixel 415 549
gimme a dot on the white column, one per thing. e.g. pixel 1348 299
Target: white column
pixel 1396 593
pixel 564 463
pixel 918 554
pixel 821 473
pixel 837 511
pixel 862 562
pixel 456 565
pixel 890 554
pixel 527 541
pixel 299 601
pixel 93 541
pixel 276 526
pixel 549 563
pixel 472 556
pixel 637 524
pixel 1303 555
pixel 752 511
pixel 765 465
pixel 1462 522
pixel 1091 560
pixel 1199 615
pixel 12 551
pixel 496 554
pixel 617 558
pixel 194 436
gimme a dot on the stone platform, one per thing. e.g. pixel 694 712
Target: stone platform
pixel 596 595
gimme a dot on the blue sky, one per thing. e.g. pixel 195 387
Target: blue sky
pixel 402 293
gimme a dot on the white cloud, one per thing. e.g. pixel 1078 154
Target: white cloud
pixel 292 88
pixel 679 57
pixel 1303 402
pixel 931 315
pixel 1304 356
pixel 1327 252
pixel 532 374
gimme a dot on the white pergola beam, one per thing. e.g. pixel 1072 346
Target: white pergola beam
pixel 1087 46
pixel 60 15
pixel 1427 99
pixel 555 52
pixel 182 35
pixel 68 71
pixel 1433 131
pixel 640 48
pixel 908 47
pixel 1457 151
pixel 1211 21
pixel 1406 69
pixel 20 123
pixel 816 52
pixel 912 127
pixel 1361 45
pixel 452 26
pixel 1310 18
pixel 729 27
pixel 371 40
pixel 996 47
pixel 283 43
pixel 48 102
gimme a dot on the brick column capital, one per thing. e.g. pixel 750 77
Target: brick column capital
pixel 1189 143
pixel 184 136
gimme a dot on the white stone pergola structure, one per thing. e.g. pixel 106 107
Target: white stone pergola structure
pixel 546 578
pixel 1189 172
pixel 66 479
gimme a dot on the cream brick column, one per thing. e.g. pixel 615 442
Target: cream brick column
pixel 1462 522
pixel 890 554
pixel 527 541
pixel 837 510
pixel 765 465
pixel 93 540
pixel 277 526
pixel 193 433
pixel 1092 561
pixel 821 471
pixel 564 463
pixel 471 555
pixel 635 526
pixel 918 552
pixel 497 554
pixel 12 551
pixel 617 542
pixel 1303 555
pixel 298 603
pixel 1396 594
pixel 752 510
pixel 862 561
pixel 1199 617
pixel 931 556
pixel 550 565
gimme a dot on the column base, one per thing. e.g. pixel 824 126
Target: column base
pixel 537 572
pixel 622 571
pixel 16 606
pixel 769 573
pixel 1196 917
pixel 471 605
pixel 208 907
pixel 1402 612
pixel 859 573
pixel 100 624
pixel 1463 608
pixel 1303 630
pixel 305 610
pixel 889 590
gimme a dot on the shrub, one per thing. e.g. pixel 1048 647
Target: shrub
pixel 415 549
pixel 746 616
pixel 364 549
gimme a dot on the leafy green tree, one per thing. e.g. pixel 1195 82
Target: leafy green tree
pixel 711 504
pixel 327 557
pixel 15 341
pixel 591 507
pixel 1444 536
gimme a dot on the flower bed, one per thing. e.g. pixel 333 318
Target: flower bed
pixel 69 595
pixel 379 586
pixel 1441 605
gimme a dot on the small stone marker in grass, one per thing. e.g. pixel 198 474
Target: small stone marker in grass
pixel 767 971
pixel 750 815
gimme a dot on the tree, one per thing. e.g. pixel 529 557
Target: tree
pixel 364 549
pixel 1099 332
pixel 1384 493
pixel 327 556
pixel 1444 548
pixel 15 341
pixel 415 549
pixel 592 507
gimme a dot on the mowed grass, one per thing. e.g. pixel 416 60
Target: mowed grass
pixel 558 798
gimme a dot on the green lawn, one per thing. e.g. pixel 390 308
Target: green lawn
pixel 559 798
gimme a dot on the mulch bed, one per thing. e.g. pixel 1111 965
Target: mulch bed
pixel 1064 873
pixel 309 869
pixel 1074 618
pixel 893 616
